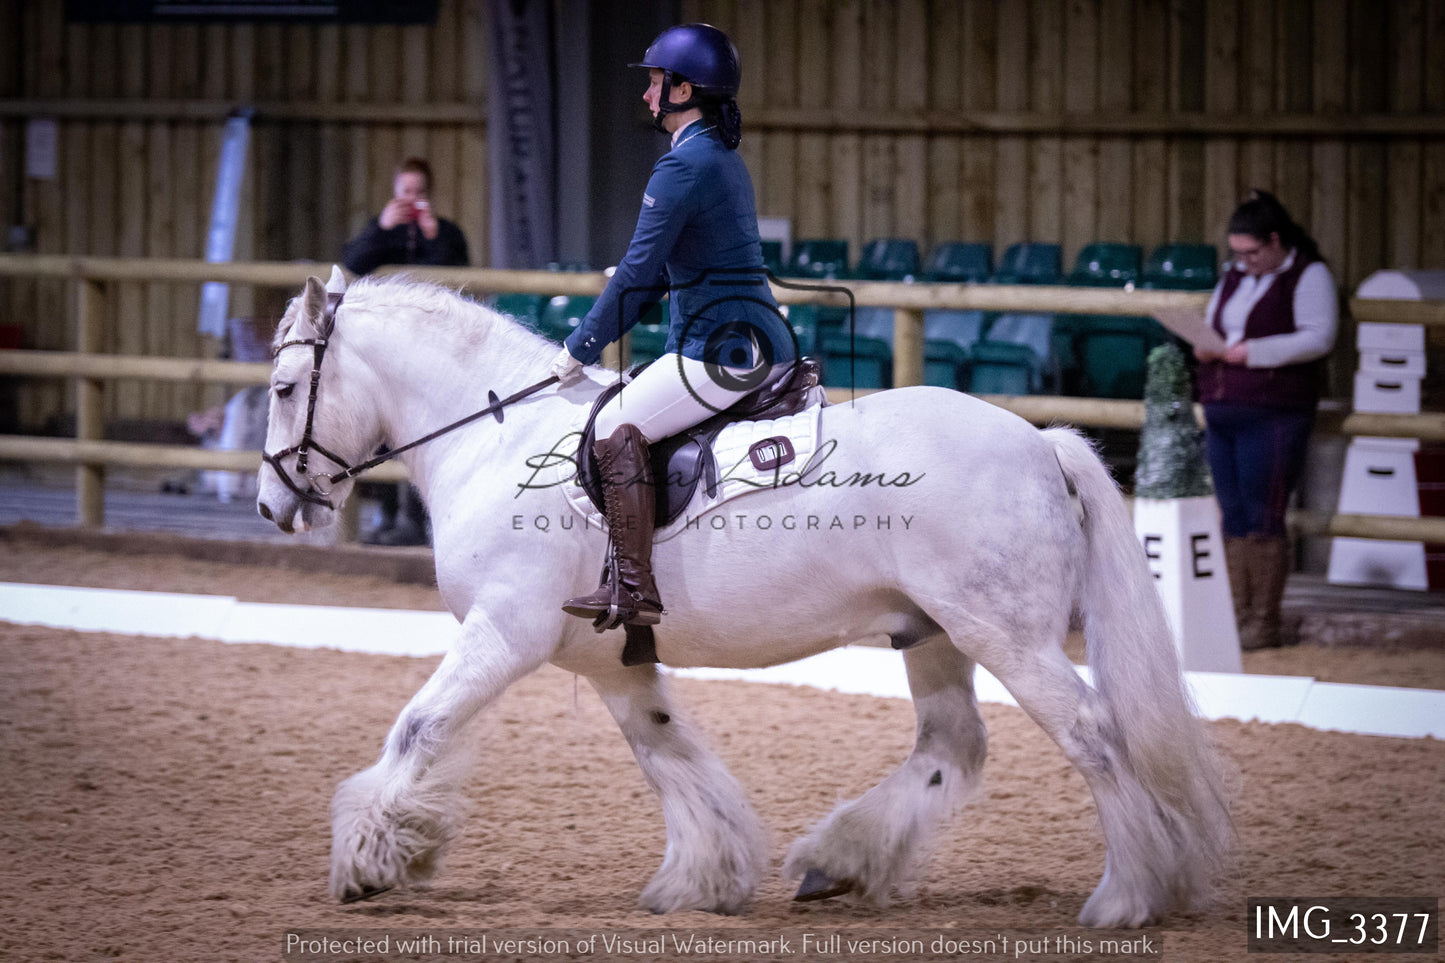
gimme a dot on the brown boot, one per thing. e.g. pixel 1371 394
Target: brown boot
pixel 1269 565
pixel 629 496
pixel 1241 588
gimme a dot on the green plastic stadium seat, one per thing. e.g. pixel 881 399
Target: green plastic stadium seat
pixel 872 349
pixel 649 336
pixel 962 328
pixel 562 314
pixel 803 319
pixel 1002 368
pixel 1113 354
pixel 1107 265
pixel 1033 331
pixel 820 258
pixel 773 257
pixel 811 323
pixel 1182 267
pixel 526 308
pixel 1030 263
pixel 648 343
pixel 888 259
pixel 873 323
pixel 959 262
pixel 945 365
pixel 868 365
pixel 948 334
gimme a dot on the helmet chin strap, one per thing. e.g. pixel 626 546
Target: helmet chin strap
pixel 665 105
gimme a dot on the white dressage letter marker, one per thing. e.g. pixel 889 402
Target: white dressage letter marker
pixel 1182 540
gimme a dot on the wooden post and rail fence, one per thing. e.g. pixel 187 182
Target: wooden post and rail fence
pixel 89 368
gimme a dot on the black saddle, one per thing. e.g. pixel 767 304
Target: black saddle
pixel 684 461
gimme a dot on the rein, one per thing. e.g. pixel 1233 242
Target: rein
pixel 316 494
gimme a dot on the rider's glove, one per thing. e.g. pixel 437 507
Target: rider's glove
pixel 567 368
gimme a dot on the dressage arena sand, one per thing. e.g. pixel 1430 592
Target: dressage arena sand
pixel 167 799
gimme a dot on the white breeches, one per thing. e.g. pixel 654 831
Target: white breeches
pixel 666 399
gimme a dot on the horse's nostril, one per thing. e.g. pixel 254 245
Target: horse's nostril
pixel 265 511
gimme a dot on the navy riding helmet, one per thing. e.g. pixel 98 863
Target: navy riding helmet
pixel 700 54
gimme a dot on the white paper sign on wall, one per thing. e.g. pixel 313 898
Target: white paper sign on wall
pixel 42 137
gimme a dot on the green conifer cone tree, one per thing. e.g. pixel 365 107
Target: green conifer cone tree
pixel 1171 445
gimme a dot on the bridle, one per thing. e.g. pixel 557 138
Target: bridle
pixel 320 484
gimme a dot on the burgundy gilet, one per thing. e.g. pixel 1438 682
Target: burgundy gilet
pixel 1288 386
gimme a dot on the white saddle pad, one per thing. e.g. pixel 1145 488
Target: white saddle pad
pixel 736 473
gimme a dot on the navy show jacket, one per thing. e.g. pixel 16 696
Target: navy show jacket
pixel 697 241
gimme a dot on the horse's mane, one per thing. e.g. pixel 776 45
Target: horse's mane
pixel 397 299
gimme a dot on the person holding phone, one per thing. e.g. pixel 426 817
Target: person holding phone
pixel 407 231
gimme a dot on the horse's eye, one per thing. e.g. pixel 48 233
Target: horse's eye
pixel 284 391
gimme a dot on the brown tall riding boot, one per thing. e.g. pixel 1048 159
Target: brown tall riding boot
pixel 1269 568
pixel 1242 590
pixel 629 497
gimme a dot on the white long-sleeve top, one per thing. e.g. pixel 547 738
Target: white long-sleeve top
pixel 1316 316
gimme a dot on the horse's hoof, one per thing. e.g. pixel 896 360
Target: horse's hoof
pixel 816 885
pixel 365 893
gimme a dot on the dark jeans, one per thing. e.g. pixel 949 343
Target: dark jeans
pixel 1256 456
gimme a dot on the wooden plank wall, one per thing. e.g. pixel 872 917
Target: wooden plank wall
pixel 1370 200
pixel 143 187
pixel 825 82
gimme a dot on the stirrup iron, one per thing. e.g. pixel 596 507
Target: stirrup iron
pixel 610 619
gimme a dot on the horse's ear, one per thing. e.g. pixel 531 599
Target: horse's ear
pixel 337 284
pixel 313 304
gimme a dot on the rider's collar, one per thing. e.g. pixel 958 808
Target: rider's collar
pixel 677 135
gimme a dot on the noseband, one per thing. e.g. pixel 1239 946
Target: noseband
pixel 315 493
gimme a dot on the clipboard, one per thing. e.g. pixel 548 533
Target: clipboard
pixel 1192 327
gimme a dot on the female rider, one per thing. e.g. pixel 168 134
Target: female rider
pixel 697 239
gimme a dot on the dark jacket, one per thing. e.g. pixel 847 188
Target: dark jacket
pixel 697 241
pixel 404 244
pixel 1288 386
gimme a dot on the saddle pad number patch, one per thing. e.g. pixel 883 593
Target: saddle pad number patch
pixel 771 453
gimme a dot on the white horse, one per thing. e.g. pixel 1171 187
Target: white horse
pixel 1008 528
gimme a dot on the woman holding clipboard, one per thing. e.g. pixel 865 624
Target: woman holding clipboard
pixel 1276 309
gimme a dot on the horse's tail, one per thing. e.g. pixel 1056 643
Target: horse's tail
pixel 1137 674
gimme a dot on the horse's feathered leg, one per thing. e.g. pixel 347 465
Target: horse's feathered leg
pixel 1141 855
pixel 1024 651
pixel 716 845
pixel 878 843
pixel 391 823
pixel 1148 833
